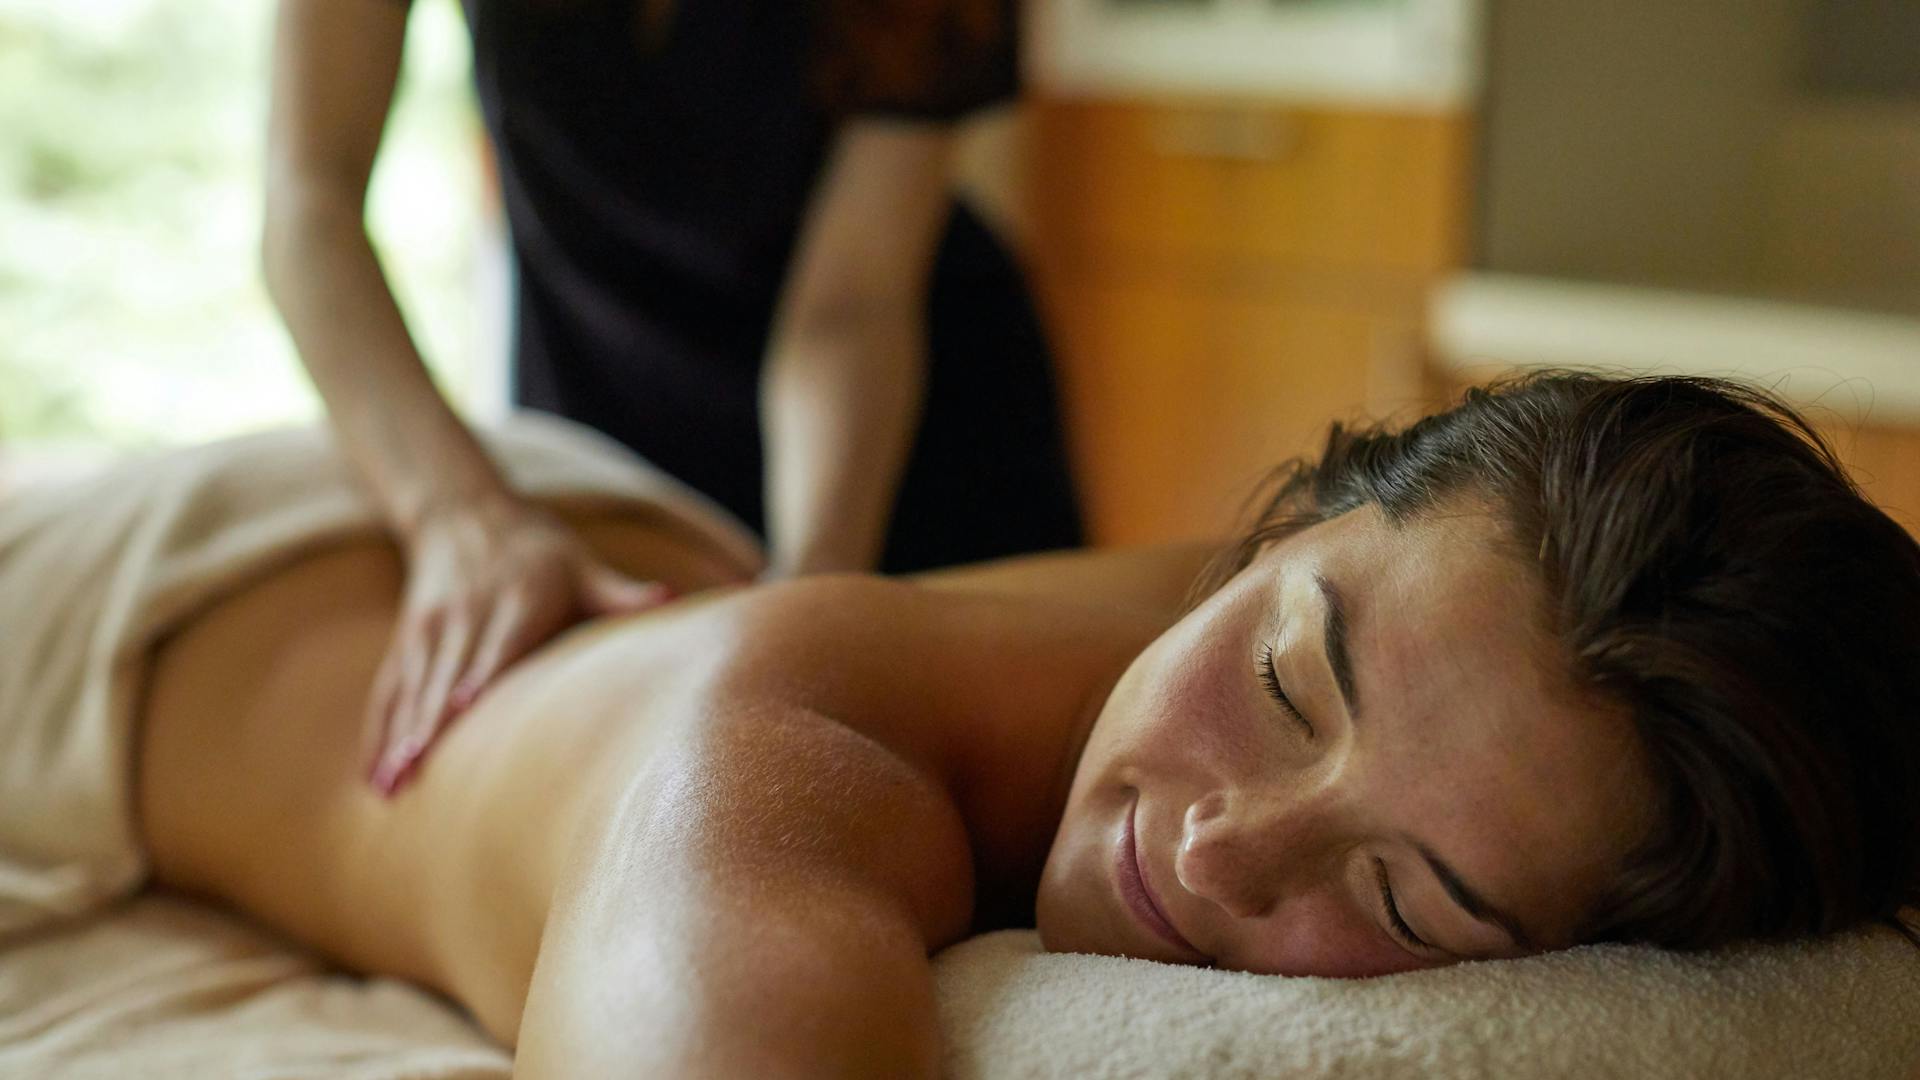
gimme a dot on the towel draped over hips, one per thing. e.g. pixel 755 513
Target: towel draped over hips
pixel 92 575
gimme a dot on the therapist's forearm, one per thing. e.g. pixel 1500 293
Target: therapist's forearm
pixel 392 422
pixel 840 401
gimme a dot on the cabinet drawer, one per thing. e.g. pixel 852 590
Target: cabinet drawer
pixel 1315 187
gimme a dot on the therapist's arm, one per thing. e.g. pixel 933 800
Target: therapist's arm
pixel 845 376
pixel 489 576
pixel 335 64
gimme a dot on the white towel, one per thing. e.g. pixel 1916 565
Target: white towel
pixel 1847 1008
pixel 92 574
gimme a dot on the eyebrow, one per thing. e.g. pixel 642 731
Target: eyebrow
pixel 1335 633
pixel 1341 661
pixel 1475 904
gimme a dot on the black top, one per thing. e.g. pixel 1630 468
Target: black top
pixel 655 177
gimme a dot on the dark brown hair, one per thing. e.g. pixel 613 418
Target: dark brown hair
pixel 1709 565
pixel 904 53
pixel 907 55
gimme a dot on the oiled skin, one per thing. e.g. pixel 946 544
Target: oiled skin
pixel 765 803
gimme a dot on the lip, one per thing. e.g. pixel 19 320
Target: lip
pixel 1130 876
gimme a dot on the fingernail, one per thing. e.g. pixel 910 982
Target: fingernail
pixel 397 765
pixel 662 593
pixel 408 770
pixel 462 697
pixel 382 778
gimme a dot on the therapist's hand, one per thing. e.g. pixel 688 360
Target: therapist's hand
pixel 487 582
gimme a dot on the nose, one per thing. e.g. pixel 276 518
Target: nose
pixel 1238 850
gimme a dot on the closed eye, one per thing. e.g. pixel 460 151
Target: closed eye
pixel 1270 678
pixel 1395 920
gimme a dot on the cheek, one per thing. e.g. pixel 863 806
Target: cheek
pixel 1186 697
pixel 1318 934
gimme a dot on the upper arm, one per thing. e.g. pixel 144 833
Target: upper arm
pixel 763 904
pixel 335 64
pixel 874 222
pixel 777 792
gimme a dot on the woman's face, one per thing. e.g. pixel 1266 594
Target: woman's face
pixel 1367 709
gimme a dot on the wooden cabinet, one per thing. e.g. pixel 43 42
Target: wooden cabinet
pixel 1223 280
pixel 1181 400
pixel 1298 187
pixel 1885 462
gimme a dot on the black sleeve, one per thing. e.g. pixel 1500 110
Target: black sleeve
pixel 951 59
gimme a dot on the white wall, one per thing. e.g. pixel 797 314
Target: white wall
pixel 1674 144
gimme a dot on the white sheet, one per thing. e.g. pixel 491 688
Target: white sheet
pixel 166 989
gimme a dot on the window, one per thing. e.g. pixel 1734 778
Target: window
pixel 131 307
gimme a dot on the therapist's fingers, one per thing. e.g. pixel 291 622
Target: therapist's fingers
pixel 508 636
pixel 407 657
pixel 520 624
pixel 606 591
pixel 435 704
pixel 381 698
pixel 423 703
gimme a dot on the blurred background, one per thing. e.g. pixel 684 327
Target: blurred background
pixel 1245 218
pixel 132 313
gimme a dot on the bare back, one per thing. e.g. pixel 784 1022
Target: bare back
pixel 252 768
pixel 252 771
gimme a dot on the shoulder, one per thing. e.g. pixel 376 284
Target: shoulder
pixel 864 624
pixel 875 654
pixel 936 676
pixel 800 761
pixel 848 720
pixel 858 644
pixel 844 599
pixel 949 680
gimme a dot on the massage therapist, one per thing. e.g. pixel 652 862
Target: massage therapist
pixel 736 250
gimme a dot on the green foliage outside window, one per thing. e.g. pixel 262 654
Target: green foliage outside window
pixel 131 307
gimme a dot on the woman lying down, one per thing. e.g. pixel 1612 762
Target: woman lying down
pixel 1578 660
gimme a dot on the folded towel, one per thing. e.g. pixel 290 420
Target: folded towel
pixel 1846 1008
